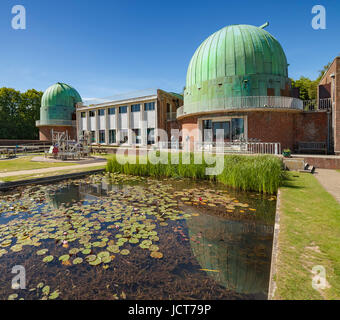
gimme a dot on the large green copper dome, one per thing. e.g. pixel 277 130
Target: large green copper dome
pixel 58 104
pixel 236 61
pixel 237 50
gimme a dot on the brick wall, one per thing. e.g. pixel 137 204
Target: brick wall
pixel 326 84
pixel 337 108
pixel 46 135
pixel 272 127
pixel 311 127
pixel 285 127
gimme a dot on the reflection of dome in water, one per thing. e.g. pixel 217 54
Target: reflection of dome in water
pixel 242 258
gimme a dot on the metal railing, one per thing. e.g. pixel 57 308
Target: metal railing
pixel 240 147
pixel 317 105
pixel 57 122
pixel 225 147
pixel 234 103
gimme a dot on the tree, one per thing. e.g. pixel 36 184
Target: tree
pixel 309 88
pixel 18 113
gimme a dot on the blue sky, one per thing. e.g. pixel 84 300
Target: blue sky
pixel 104 47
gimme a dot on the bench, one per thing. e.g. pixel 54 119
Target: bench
pixel 315 147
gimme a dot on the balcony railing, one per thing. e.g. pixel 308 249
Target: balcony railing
pixel 241 103
pixel 55 122
pixel 317 105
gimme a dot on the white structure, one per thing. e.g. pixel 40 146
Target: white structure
pixel 129 120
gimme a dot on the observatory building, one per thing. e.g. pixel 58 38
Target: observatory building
pixel 58 111
pixel 237 80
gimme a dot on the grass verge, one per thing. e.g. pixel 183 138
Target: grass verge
pixel 50 174
pixel 248 173
pixel 309 236
pixel 25 163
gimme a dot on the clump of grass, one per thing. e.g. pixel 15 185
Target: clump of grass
pixel 261 173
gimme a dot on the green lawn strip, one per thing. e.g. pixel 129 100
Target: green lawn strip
pixel 309 236
pixel 50 174
pixel 25 163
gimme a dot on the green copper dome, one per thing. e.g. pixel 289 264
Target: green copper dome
pixel 58 104
pixel 236 61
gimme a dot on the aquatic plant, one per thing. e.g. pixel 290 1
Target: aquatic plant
pixel 262 173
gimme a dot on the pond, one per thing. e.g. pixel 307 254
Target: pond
pixel 125 237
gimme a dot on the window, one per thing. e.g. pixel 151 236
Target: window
pixel 207 124
pixel 168 107
pixel 93 136
pixel 91 113
pixel 207 130
pixel 101 112
pixel 124 137
pixel 112 136
pixel 136 136
pixel 237 129
pixel 83 114
pixel 101 136
pixel 123 109
pixel 112 110
pixel 135 108
pixel 149 106
pixel 151 135
pixel 221 125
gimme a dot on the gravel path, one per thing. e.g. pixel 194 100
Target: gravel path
pixel 330 180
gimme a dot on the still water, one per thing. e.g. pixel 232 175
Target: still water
pixel 134 238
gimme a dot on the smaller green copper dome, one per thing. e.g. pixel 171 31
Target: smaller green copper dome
pixel 58 104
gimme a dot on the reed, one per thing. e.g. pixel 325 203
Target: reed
pixel 261 173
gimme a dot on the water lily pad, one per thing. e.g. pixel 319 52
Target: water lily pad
pixel 86 251
pixel 103 254
pixel 77 260
pixel 13 296
pixel 153 248
pixel 156 254
pixel 91 258
pixel 125 252
pixel 95 262
pixel 16 248
pixel 74 251
pixel 46 290
pixel 42 252
pixel 54 295
pixel 64 257
pixel 48 259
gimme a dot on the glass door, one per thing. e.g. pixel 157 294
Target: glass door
pixel 221 125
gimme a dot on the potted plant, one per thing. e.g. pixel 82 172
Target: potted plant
pixel 286 153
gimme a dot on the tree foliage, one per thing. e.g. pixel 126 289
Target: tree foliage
pixel 18 113
pixel 309 88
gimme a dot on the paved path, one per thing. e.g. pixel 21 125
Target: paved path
pixel 330 180
pixel 47 170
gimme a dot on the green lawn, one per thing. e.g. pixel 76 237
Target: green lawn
pixel 50 174
pixel 309 236
pixel 25 163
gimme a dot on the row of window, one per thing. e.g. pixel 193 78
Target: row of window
pixel 124 136
pixel 150 106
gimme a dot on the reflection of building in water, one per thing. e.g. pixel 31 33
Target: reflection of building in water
pixel 240 251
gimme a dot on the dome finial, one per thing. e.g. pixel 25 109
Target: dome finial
pixel 265 25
